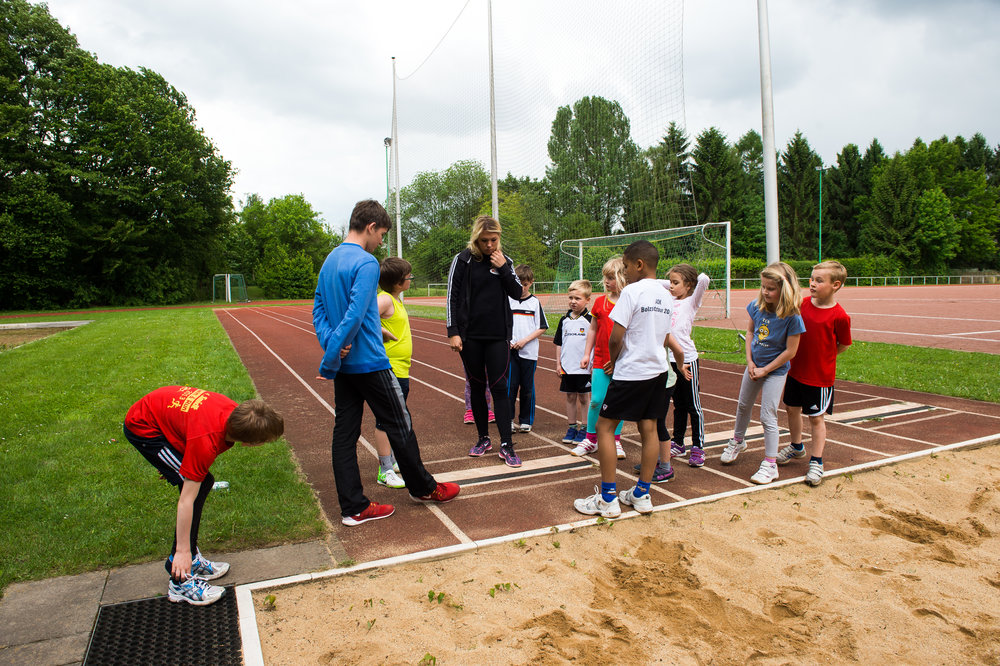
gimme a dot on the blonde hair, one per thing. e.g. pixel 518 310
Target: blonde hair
pixel 484 224
pixel 615 268
pixel 582 286
pixel 837 271
pixel 790 294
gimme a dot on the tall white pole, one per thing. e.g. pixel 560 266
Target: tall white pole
pixel 395 163
pixel 493 119
pixel 767 136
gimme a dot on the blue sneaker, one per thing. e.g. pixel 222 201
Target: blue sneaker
pixel 581 436
pixel 206 569
pixel 571 434
pixel 195 591
pixel 508 455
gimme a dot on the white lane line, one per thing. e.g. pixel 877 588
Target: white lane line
pixel 950 336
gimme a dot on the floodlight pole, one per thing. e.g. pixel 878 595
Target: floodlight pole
pixel 493 120
pixel 767 135
pixel 394 141
pixel 821 169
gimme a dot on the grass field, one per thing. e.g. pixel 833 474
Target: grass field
pixel 77 497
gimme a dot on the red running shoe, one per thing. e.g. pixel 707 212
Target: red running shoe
pixel 444 492
pixel 374 511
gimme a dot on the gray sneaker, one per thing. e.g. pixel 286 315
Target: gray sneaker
pixel 789 453
pixel 814 476
pixel 195 591
pixel 733 449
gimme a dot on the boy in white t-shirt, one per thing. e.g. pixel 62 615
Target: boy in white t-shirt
pixel 639 375
pixel 529 324
pixel 571 344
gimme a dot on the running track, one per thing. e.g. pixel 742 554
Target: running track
pixel 279 348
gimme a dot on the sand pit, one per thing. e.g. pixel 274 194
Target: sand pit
pixel 896 565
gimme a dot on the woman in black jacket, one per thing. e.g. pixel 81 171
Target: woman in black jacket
pixel 479 327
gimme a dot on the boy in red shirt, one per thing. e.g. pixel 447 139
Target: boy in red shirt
pixel 180 430
pixel 809 388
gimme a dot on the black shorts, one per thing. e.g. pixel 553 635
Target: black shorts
pixel 636 400
pixel 574 383
pixel 813 400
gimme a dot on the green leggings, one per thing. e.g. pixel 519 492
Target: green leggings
pixel 598 389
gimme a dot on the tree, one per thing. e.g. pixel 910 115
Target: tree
pixel 798 199
pixel 288 222
pixel 135 196
pixel 843 183
pixel 749 237
pixel 715 176
pixel 661 187
pixel 936 231
pixel 593 158
pixel 887 222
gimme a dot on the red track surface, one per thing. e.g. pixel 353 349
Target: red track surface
pixel 278 346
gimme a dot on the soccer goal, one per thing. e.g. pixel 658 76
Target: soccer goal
pixel 704 246
pixel 229 288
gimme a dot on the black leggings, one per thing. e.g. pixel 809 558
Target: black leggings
pixel 486 364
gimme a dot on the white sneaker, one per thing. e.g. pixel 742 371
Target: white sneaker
pixel 584 448
pixel 520 427
pixel 789 453
pixel 733 449
pixel 767 473
pixel 619 451
pixel 390 478
pixel 642 504
pixel 195 591
pixel 595 504
pixel 206 569
pixel 814 476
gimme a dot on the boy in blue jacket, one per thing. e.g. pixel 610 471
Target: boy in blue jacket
pixel 345 316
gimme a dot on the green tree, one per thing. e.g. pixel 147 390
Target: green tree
pixel 135 197
pixel 450 198
pixel 887 221
pixel 715 176
pixel 593 158
pixel 842 185
pixel 936 231
pixel 798 199
pixel 661 186
pixel 287 222
pixel 748 232
pixel 285 276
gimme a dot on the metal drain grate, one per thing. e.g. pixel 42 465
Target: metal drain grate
pixel 156 631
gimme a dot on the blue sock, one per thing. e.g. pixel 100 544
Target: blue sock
pixel 815 459
pixel 798 447
pixel 608 491
pixel 641 488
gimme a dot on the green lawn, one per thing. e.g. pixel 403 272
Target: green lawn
pixel 77 497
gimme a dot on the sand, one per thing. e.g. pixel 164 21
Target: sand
pixel 899 565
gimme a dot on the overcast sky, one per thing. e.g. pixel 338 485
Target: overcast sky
pixel 298 94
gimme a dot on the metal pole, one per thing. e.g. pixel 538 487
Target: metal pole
pixel 581 261
pixel 767 135
pixel 820 169
pixel 493 119
pixel 729 262
pixel 395 162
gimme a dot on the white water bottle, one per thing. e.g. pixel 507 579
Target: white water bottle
pixel 220 485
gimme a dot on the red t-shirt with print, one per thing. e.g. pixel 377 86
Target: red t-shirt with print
pixel 193 421
pixel 601 312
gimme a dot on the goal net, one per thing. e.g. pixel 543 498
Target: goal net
pixel 704 246
pixel 229 288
